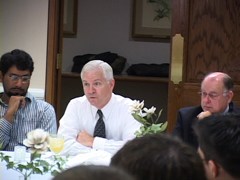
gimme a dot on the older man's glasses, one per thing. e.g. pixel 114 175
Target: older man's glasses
pixel 15 78
pixel 212 95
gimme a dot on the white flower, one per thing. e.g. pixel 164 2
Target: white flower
pixel 150 111
pixel 147 118
pixel 136 106
pixel 37 140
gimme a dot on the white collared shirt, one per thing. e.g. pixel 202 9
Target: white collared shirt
pixel 80 115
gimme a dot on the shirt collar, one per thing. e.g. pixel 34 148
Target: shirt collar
pixel 226 110
pixel 106 109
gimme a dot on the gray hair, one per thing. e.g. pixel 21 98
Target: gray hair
pixel 98 64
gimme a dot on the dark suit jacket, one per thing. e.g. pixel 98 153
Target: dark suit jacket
pixel 187 117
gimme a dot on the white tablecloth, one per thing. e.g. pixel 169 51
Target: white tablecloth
pixel 87 157
pixel 92 157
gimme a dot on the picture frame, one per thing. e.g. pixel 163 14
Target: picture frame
pixel 70 18
pixel 144 24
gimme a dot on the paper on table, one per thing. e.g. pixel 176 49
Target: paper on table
pixel 94 157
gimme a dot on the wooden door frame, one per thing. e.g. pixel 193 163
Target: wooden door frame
pixel 180 9
pixel 54 53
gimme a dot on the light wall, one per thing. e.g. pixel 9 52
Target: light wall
pixel 106 25
pixel 24 26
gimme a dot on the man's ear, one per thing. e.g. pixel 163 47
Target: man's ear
pixel 230 96
pixel 213 168
pixel 112 83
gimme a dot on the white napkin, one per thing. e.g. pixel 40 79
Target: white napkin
pixel 93 157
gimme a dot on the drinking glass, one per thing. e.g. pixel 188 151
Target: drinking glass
pixel 19 153
pixel 56 143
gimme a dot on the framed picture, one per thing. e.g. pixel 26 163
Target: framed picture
pixel 151 19
pixel 70 18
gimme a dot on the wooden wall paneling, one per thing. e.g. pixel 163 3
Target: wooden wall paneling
pixel 236 97
pixel 173 105
pixel 214 38
pixel 181 95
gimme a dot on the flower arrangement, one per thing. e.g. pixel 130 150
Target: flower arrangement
pixel 148 118
pixel 37 165
pixel 37 141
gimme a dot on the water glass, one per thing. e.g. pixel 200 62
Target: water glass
pixel 19 153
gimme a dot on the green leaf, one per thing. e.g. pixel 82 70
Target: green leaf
pixel 10 165
pixel 37 170
pixel 164 126
pixel 54 173
pixel 35 155
pixel 44 163
pixel 1 145
pixel 21 167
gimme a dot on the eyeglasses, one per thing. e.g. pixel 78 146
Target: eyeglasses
pixel 15 78
pixel 212 95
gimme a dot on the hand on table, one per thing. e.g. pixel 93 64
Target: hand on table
pixel 85 139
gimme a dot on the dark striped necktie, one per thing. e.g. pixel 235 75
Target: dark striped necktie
pixel 99 130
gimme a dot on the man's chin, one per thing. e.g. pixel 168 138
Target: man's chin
pixel 93 102
pixel 16 94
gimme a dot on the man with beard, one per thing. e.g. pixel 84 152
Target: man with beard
pixel 20 112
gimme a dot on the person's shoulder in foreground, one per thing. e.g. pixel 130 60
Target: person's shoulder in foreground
pixel 216 97
pixel 19 109
pixel 159 156
pixel 79 123
pixel 93 172
pixel 219 145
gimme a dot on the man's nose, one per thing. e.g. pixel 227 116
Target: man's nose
pixel 91 89
pixel 19 82
pixel 206 98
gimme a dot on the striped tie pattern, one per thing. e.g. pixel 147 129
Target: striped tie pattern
pixel 99 130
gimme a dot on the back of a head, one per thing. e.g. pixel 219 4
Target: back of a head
pixel 159 156
pixel 93 172
pixel 98 64
pixel 19 58
pixel 219 140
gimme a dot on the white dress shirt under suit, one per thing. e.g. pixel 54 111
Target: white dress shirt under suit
pixel 80 115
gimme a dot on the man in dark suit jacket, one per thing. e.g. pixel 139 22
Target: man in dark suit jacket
pixel 216 98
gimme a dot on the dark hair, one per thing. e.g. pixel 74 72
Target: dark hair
pixel 93 172
pixel 219 140
pixel 159 156
pixel 19 58
pixel 228 82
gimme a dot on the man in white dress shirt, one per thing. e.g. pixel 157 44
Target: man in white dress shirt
pixel 80 118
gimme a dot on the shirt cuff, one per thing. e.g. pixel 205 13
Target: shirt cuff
pixel 98 143
pixel 5 126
